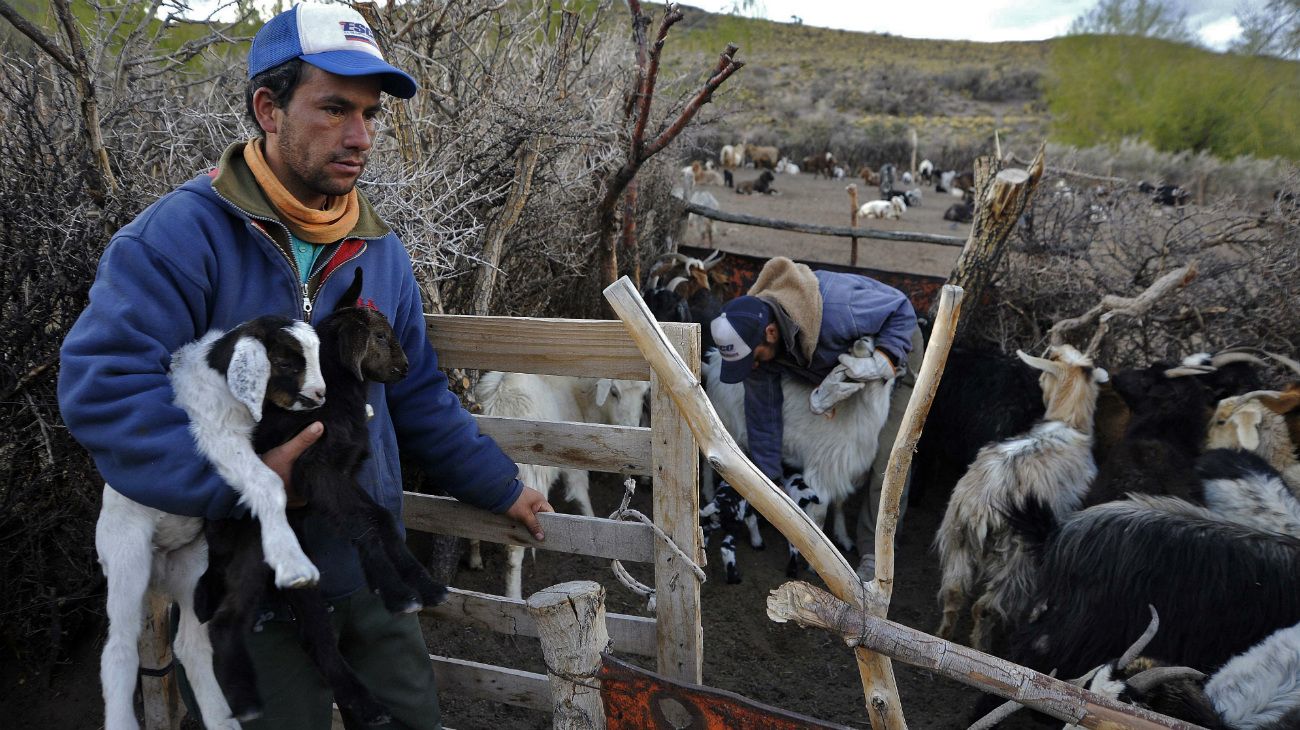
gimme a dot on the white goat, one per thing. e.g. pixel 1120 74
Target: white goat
pixel 1052 462
pixel 833 454
pixel 878 209
pixel 139 546
pixel 1258 688
pixel 899 204
pixel 926 171
pixel 555 398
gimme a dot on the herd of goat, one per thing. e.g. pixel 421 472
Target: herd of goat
pixel 1081 501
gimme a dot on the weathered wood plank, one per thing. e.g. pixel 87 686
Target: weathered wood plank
pixel 564 533
pixel 631 634
pixel 595 447
pixel 676 512
pixel 486 681
pixel 586 348
pixel 876 233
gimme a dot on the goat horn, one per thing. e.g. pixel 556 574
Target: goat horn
pixel 672 285
pixel 1145 681
pixel 1186 370
pixel 1225 358
pixel 1140 645
pixel 1287 362
pixel 714 259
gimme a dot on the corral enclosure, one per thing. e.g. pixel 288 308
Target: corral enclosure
pixel 1084 238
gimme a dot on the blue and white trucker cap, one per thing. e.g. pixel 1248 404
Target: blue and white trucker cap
pixel 334 38
pixel 736 332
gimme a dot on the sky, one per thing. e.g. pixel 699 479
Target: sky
pixel 976 20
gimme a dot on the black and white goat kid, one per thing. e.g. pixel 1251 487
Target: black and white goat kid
pixel 358 346
pixel 224 382
pixel 730 513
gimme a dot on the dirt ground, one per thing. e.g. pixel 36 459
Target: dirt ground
pixel 806 199
pixel 802 670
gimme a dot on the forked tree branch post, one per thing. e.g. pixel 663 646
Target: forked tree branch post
pixel 724 455
pixel 808 605
pixel 571 625
pixel 622 184
pixel 1001 197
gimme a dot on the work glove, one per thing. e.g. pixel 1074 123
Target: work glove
pixel 857 367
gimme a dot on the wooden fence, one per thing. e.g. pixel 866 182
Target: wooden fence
pixel 666 452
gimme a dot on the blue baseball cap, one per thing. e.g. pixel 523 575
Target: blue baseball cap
pixel 737 331
pixel 333 38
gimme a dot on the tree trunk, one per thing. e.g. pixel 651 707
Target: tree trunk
pixel 999 203
pixel 571 624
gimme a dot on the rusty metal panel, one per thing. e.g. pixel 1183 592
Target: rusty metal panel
pixel 638 699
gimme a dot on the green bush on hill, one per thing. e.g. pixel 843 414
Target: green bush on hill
pixel 1104 89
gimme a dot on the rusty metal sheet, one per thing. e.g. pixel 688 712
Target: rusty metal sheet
pixel 638 699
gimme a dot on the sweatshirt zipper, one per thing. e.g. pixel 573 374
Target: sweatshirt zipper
pixel 307 301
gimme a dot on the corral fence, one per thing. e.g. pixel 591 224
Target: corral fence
pixel 666 452
pixel 853 233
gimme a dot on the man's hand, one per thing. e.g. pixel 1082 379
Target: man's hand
pixel 525 509
pixel 281 459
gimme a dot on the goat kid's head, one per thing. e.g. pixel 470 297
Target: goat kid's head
pixel 272 359
pixel 1253 420
pixel 366 341
pixel 622 401
pixel 1069 382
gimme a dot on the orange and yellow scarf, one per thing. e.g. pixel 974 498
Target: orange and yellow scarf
pixel 314 226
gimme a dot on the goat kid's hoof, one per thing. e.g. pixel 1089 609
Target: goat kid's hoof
pixel 435 596
pixel 249 714
pixel 732 578
pixel 760 546
pixel 296 575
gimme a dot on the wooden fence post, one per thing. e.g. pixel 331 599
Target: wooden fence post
pixel 571 623
pixel 853 221
pixel 163 708
pixel 676 493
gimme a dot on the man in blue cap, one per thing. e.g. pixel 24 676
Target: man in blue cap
pixel 831 330
pixel 278 226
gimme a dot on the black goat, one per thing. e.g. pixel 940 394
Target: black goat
pixel 960 213
pixel 984 397
pixel 1165 194
pixel 1170 407
pixel 1219 587
pixel 358 346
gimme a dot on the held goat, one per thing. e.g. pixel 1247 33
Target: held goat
pixel 358 348
pixel 1052 462
pixel 555 398
pixel 834 454
pixel 1219 586
pixel 224 382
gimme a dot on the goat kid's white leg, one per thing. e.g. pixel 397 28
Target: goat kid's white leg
pixel 578 488
pixel 475 555
pixel 755 539
pixel 264 495
pixel 193 647
pixel 126 554
pixel 514 572
pixel 841 531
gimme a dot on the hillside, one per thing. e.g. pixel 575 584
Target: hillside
pixel 808 88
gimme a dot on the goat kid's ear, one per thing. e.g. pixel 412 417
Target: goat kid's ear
pixel 1246 421
pixel 1281 402
pixel 350 297
pixel 1099 375
pixel 603 388
pixel 353 342
pixel 248 373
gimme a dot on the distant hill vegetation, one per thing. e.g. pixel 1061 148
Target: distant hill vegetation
pixel 810 89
